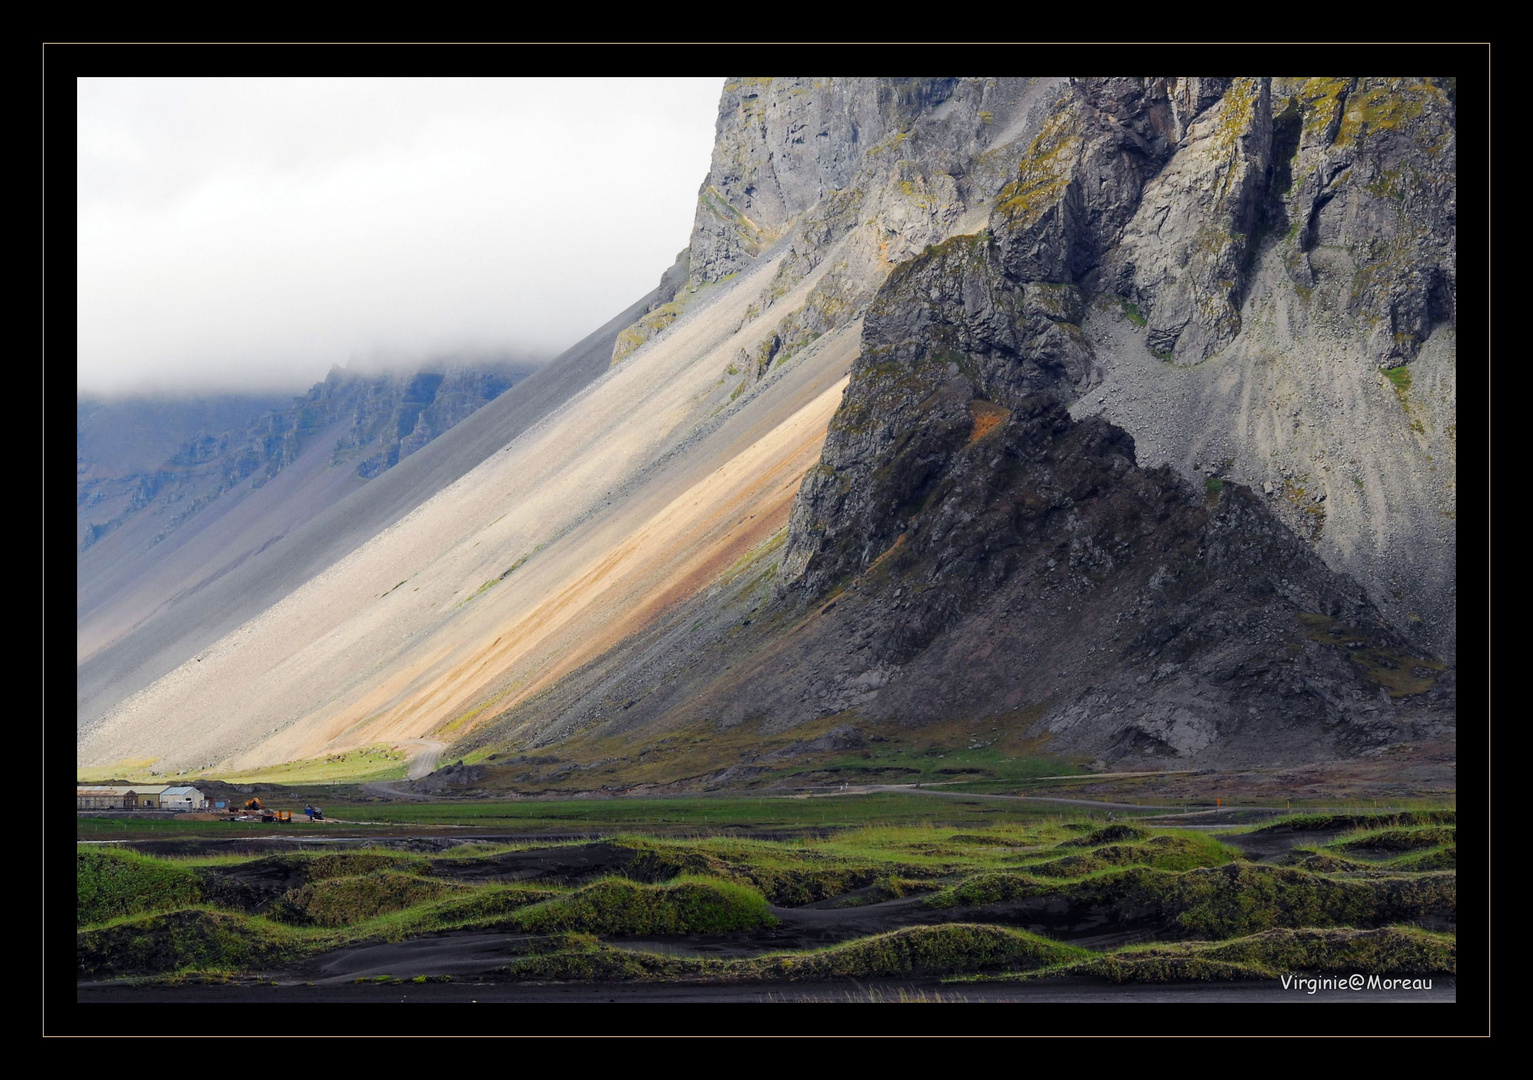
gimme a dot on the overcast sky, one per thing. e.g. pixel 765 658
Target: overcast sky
pixel 251 233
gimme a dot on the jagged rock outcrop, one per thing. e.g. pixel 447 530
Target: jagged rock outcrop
pixel 949 344
pixel 127 449
pixel 1322 334
pixel 1297 236
pixel 1161 190
pixel 1184 255
pixel 1080 178
pixel 1046 583
pixel 863 172
pixel 1049 581
pixel 392 415
pixel 460 392
pixel 1149 188
pixel 670 301
pixel 1374 180
pixel 782 145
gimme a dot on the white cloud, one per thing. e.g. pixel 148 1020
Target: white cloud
pixel 253 232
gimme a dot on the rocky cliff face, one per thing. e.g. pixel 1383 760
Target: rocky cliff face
pixel 949 347
pixel 1319 211
pixel 1158 461
pixel 1262 272
pixel 1162 191
pixel 784 144
pixel 983 553
pixel 1157 194
pixel 863 173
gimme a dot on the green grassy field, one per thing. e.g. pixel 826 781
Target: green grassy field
pixel 531 816
pixel 930 889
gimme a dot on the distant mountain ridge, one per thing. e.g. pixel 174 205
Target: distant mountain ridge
pixel 386 417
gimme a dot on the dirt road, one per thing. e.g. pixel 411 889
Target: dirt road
pixel 423 763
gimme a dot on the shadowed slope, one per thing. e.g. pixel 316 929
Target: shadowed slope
pixel 260 547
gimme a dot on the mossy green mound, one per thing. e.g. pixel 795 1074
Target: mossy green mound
pixel 176 940
pixel 1158 968
pixel 110 884
pixel 269 885
pixel 1323 863
pixel 916 950
pixel 794 888
pixel 786 879
pixel 989 888
pixel 341 901
pixel 1160 852
pixel 1167 852
pixel 885 889
pixel 1324 822
pixel 1112 834
pixel 1217 914
pixel 685 906
pixel 333 864
pixel 951 948
pixel 1443 858
pixel 1401 840
pixel 486 908
pixel 1220 902
pixel 1238 899
pixel 1274 953
pixel 587 961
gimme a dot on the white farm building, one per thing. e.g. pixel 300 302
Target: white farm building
pixel 182 797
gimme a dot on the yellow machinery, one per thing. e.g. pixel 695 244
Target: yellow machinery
pixel 254 808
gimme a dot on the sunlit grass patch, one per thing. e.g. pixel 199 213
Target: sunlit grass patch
pixel 111 883
pixel 1440 858
pixel 688 905
pixel 381 761
pixel 1111 834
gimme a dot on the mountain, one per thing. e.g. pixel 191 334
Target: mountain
pixel 1113 414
